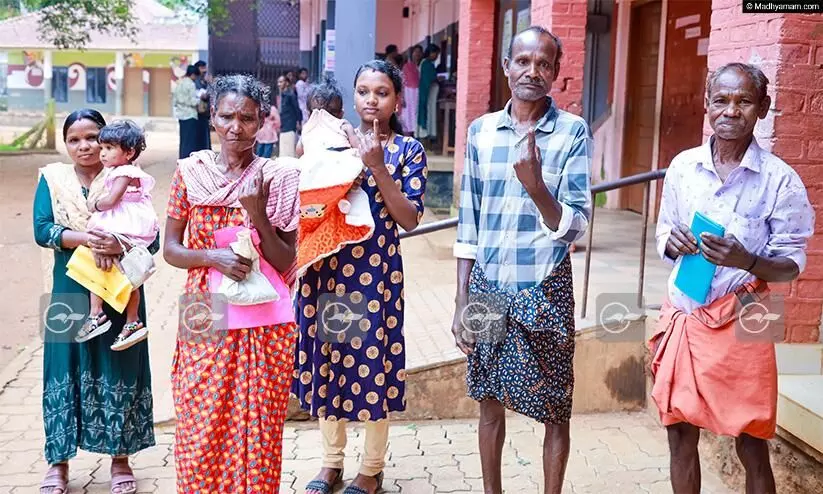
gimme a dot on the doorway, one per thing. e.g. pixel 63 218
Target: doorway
pixel 160 92
pixel 133 91
pixel 641 98
pixel 512 17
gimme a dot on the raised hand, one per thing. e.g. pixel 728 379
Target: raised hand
pixel 371 149
pixel 254 196
pixel 528 168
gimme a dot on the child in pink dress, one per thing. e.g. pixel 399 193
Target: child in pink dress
pixel 126 211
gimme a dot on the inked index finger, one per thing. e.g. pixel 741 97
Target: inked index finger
pixel 532 144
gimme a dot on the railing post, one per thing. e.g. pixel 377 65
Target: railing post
pixel 588 261
pixel 644 229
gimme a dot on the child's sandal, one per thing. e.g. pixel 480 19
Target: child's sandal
pixel 132 334
pixel 93 328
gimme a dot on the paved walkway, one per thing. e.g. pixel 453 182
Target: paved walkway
pixel 616 452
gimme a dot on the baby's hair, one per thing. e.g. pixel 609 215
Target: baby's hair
pixel 322 94
pixel 126 134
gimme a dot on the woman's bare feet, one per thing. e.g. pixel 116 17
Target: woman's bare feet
pixel 56 480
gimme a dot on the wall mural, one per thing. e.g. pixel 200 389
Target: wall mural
pixel 30 74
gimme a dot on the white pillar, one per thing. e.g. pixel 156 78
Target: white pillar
pixel 47 75
pixel 119 64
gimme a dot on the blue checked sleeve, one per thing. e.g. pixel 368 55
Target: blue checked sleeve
pixel 471 191
pixel 574 193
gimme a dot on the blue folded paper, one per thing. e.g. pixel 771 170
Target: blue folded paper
pixel 695 274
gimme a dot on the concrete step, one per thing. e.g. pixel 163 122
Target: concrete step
pixel 799 358
pixel 800 408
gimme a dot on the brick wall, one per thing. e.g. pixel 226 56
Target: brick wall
pixel 789 50
pixel 567 20
pixel 474 72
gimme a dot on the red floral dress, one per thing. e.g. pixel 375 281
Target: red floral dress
pixel 230 392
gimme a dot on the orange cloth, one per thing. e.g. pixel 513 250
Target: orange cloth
pixel 705 375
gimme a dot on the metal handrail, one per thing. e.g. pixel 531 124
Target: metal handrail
pixel 645 178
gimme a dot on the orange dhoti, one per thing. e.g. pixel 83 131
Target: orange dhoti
pixel 705 374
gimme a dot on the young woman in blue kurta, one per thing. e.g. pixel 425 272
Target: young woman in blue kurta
pixel 361 376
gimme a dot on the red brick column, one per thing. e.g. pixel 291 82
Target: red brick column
pixel 567 20
pixel 474 73
pixel 789 50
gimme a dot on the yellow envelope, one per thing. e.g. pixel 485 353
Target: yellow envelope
pixel 112 286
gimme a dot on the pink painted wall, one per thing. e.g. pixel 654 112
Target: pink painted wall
pixel 390 24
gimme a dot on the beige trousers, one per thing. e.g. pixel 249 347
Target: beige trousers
pixel 374 448
pixel 288 143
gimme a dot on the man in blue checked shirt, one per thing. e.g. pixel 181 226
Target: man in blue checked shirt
pixel 524 199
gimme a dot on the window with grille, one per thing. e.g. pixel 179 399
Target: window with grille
pixel 96 85
pixel 60 84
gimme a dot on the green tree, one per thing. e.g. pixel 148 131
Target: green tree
pixel 70 23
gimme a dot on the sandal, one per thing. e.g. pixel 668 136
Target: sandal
pixel 121 474
pixel 132 334
pixel 324 487
pixel 93 328
pixel 354 489
pixel 56 480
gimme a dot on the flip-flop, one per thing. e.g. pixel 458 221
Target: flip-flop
pixel 355 489
pixel 56 480
pixel 324 487
pixel 121 474
pixel 93 327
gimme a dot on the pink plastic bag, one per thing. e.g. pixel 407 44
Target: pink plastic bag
pixel 252 316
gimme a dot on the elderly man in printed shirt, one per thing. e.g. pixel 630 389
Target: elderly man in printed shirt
pixel 524 199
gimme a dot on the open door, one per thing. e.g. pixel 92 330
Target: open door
pixel 638 133
pixel 512 17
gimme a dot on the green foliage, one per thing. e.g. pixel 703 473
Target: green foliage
pixel 68 24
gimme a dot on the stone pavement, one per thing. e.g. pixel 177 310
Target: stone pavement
pixel 623 452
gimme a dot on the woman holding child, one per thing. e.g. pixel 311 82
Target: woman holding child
pixel 94 398
pixel 359 375
pixel 231 387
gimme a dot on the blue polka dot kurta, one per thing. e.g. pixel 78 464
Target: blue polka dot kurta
pixel 363 377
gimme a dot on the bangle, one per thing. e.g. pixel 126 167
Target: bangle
pixel 95 205
pixel 753 264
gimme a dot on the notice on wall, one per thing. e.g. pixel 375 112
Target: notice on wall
pixel 692 32
pixel 505 40
pixel 524 18
pixel 329 52
pixel 686 21
pixel 702 47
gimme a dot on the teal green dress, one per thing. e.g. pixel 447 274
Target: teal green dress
pixel 94 398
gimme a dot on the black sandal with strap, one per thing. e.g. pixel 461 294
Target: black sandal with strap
pixel 324 487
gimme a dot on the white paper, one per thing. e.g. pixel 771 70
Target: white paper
pixel 702 47
pixel 692 32
pixel 686 21
pixel 523 19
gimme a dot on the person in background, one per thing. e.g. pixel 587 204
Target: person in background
pixel 203 123
pixel 710 371
pixel 290 116
pixel 429 89
pixel 390 51
pixel 185 101
pixel 411 91
pixel 267 135
pixel 291 77
pixel 301 87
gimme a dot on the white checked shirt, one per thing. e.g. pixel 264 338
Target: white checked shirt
pixel 763 203
pixel 499 225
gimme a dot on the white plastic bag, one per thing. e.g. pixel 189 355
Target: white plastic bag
pixel 255 289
